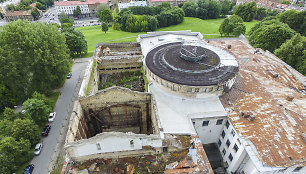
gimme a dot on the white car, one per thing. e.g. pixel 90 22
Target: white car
pixel 52 116
pixel 38 148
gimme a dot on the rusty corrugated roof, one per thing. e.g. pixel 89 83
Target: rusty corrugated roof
pixel 267 88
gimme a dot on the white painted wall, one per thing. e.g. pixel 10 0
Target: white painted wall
pixel 237 156
pixel 111 142
pixel 70 8
pixel 242 159
pixel 210 133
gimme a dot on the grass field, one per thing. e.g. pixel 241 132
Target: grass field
pixel 94 35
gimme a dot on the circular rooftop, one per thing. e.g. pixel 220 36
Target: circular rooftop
pixel 188 64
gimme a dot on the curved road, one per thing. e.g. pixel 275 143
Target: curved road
pixel 62 108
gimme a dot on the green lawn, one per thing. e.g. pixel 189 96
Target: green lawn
pixel 94 34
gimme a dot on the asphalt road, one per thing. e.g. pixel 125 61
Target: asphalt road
pixel 62 107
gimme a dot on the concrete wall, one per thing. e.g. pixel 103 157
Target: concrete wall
pixel 113 145
pixel 86 80
pixel 210 133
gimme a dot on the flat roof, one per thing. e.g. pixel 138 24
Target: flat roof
pixel 175 112
pixel 273 92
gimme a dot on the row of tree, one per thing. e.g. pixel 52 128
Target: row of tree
pixel 207 9
pixel 20 131
pixel 136 19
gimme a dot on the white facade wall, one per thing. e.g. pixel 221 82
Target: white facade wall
pixel 112 142
pixel 207 128
pixel 70 8
pixel 241 161
pixel 231 136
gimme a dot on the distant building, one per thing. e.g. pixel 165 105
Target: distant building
pixel 131 4
pixel 87 8
pixel 172 2
pixel 12 16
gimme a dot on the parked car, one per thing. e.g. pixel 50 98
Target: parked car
pixel 69 75
pixel 29 169
pixel 46 130
pixel 38 148
pixel 52 116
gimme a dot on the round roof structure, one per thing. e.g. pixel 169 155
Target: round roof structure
pixel 188 64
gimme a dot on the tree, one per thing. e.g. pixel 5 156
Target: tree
pixel 296 20
pixel 208 9
pixel 261 13
pixel 269 35
pixel 25 129
pixel 293 52
pixel 76 42
pixel 66 21
pixel 104 27
pixel 13 154
pixel 226 7
pixel 35 13
pixel 232 26
pixel 5 128
pixel 9 114
pixel 77 12
pixel 40 6
pixel 246 11
pixel 37 110
pixel 189 9
pixel 33 57
pixel 104 13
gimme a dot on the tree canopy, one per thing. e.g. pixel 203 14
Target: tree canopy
pixel 104 27
pixel 104 13
pixel 296 20
pixel 247 11
pixel 270 34
pixel 33 57
pixel 232 26
pixel 293 52
pixel 77 12
pixel 76 42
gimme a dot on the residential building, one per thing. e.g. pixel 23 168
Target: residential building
pixel 12 16
pixel 88 8
pixel 131 4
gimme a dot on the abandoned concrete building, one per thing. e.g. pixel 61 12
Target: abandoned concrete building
pixel 154 105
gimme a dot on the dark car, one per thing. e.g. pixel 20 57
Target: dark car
pixel 69 75
pixel 46 130
pixel 29 169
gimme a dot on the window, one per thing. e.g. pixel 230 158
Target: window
pixel 203 89
pixel 282 170
pixel 219 143
pixel 224 151
pixel 228 143
pixel 233 132
pixel 236 148
pixel 196 90
pixel 189 90
pixel 220 121
pixel 227 124
pixel 205 123
pixel 223 134
pixel 297 169
pixel 230 157
pixel 238 141
pixel 98 146
pixel 193 123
